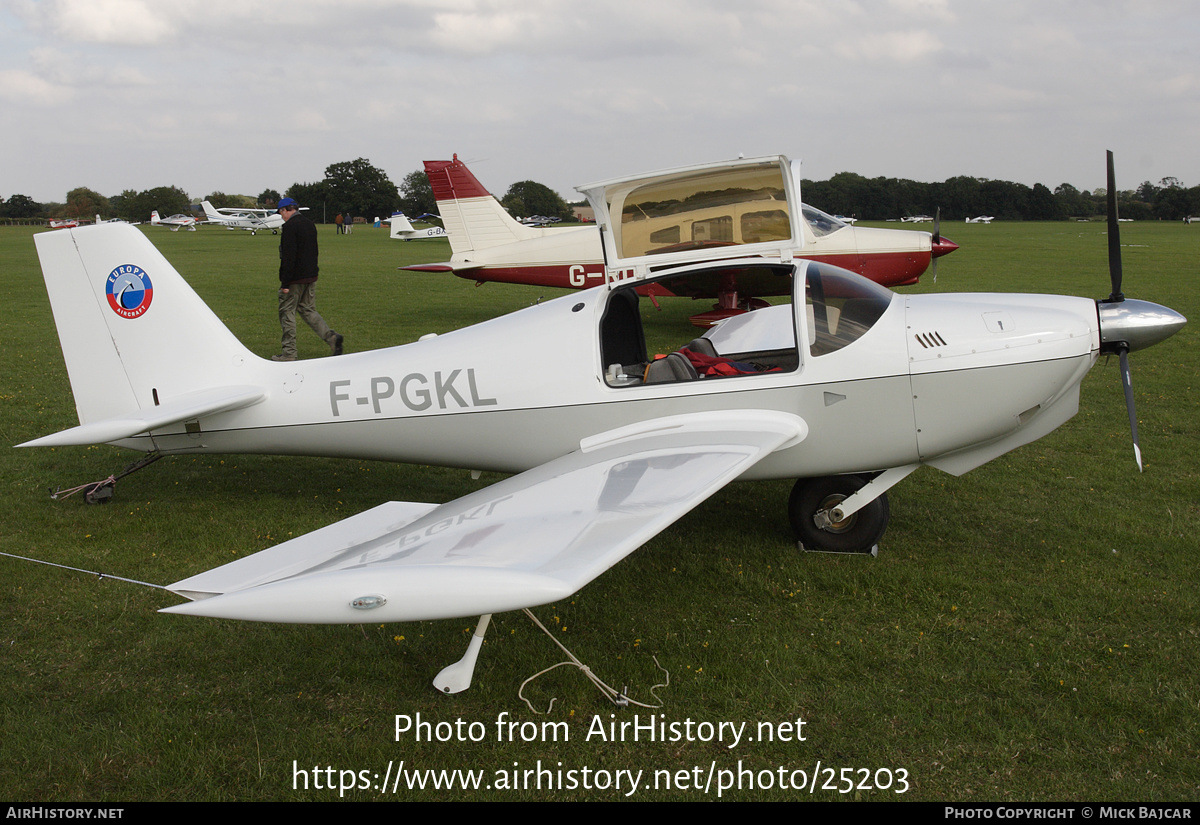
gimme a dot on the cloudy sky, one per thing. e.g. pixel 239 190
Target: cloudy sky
pixel 242 95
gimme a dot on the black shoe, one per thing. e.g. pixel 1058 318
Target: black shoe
pixel 337 344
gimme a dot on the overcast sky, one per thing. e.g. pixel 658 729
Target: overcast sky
pixel 242 95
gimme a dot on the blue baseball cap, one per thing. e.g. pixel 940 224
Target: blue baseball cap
pixel 285 203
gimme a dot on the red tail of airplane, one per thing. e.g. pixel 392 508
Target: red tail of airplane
pixel 473 217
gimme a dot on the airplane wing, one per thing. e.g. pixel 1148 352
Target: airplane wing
pixel 184 408
pixel 528 540
pixel 240 211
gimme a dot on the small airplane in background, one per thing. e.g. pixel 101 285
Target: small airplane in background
pixel 176 222
pixel 980 219
pixel 849 388
pixel 403 230
pixel 250 219
pixel 490 245
pixel 68 223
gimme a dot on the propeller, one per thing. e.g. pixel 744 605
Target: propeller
pixel 1114 237
pixel 939 246
pixel 936 238
pixel 1126 325
pixel 1116 297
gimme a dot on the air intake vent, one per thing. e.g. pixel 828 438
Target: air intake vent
pixel 929 340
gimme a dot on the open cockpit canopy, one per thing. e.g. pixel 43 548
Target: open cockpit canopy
pixel 717 210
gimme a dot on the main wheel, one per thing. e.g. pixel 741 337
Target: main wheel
pixel 857 533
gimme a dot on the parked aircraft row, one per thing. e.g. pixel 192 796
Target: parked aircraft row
pixel 846 386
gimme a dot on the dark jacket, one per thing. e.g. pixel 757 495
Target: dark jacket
pixel 298 251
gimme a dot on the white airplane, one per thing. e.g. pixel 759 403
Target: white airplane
pixel 917 219
pixel 849 388
pixel 490 245
pixel 66 223
pixel 176 222
pixel 403 230
pixel 980 219
pixel 252 220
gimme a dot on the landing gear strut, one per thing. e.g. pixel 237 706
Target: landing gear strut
pixel 812 508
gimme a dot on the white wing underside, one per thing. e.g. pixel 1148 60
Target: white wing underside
pixel 527 540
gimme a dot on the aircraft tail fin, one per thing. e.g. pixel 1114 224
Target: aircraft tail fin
pixel 474 218
pixel 137 340
pixel 154 219
pixel 400 225
pixel 210 211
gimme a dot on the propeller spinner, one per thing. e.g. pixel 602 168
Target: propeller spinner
pixel 1127 325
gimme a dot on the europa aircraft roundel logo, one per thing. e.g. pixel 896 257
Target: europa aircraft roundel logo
pixel 129 291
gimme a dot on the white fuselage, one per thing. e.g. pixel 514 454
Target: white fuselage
pixel 948 380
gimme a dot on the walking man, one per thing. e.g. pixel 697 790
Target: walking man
pixel 298 281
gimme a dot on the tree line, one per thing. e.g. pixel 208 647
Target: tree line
pixel 355 188
pixel 358 188
pixel 877 199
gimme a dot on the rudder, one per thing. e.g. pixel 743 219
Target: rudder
pixel 473 218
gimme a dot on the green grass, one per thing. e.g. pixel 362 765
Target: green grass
pixel 1028 632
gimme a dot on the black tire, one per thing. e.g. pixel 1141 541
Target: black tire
pixel 856 534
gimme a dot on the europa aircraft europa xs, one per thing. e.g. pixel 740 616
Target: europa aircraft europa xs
pixel 841 384
pixel 490 245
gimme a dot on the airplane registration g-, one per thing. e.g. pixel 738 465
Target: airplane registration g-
pixel 490 245
pixel 250 219
pixel 847 386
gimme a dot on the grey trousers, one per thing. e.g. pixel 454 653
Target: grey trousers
pixel 301 299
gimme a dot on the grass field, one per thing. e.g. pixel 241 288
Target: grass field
pixel 1029 631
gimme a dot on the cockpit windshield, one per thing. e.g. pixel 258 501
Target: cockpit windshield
pixel 841 307
pixel 820 222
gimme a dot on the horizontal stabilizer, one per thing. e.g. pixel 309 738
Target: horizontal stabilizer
pixel 184 408
pixel 447 267
pixel 527 540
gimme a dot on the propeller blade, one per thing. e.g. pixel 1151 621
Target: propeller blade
pixel 936 239
pixel 1114 236
pixel 1127 383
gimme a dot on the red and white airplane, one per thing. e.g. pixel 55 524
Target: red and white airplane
pixel 176 222
pixel 490 245
pixel 69 223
